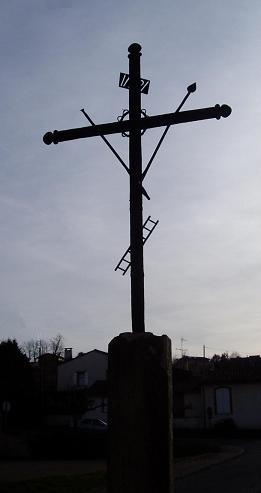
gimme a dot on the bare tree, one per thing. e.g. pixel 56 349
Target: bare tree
pixel 56 345
pixel 234 354
pixel 37 347
pixel 43 347
pixel 31 349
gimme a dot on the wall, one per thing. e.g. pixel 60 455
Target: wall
pixel 99 409
pixel 95 363
pixel 192 417
pixel 246 404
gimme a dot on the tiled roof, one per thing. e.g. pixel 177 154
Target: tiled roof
pixel 238 370
pixel 80 355
pixel 224 371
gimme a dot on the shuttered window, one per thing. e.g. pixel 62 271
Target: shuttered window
pixel 223 400
pixel 81 378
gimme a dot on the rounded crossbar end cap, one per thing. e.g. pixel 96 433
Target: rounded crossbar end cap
pixel 225 110
pixel 48 138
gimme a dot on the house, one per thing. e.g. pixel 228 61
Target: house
pixel 228 391
pixel 82 388
pixel 232 391
pixel 83 371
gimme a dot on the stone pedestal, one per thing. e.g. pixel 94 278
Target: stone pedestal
pixel 140 414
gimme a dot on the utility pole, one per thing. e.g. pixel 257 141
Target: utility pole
pixel 181 349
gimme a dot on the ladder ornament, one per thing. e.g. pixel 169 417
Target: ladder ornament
pixel 147 232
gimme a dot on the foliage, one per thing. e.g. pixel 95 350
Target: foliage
pixel 234 354
pixel 15 373
pixel 66 402
pixel 225 360
pixel 59 484
pixel 65 444
pixel 15 378
pixel 217 358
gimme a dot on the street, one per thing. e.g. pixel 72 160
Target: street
pixel 239 475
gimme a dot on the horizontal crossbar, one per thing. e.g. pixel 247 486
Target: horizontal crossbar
pixel 143 123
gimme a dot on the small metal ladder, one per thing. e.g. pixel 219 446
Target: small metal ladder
pixel 125 261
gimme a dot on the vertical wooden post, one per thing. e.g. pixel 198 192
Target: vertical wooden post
pixel 135 164
pixel 140 456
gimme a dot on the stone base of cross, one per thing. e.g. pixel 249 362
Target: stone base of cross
pixel 140 451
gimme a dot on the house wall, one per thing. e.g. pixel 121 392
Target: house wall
pixel 94 363
pixel 98 409
pixel 245 404
pixel 192 417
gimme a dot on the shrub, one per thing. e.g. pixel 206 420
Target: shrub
pixel 67 444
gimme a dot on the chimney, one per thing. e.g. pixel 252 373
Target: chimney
pixel 67 353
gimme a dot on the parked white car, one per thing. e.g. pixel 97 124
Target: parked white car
pixel 93 424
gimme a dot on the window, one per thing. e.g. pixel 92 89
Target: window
pixel 223 400
pixel 81 378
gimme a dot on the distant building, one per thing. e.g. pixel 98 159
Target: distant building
pixel 83 371
pixel 45 373
pixel 232 391
pixel 81 389
pixel 228 391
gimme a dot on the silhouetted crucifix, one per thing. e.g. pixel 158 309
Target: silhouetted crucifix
pixel 135 126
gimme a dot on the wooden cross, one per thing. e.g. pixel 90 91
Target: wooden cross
pixel 134 126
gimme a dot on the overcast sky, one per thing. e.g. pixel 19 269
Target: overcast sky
pixel 64 209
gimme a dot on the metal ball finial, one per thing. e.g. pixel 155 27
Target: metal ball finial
pixel 134 48
pixel 225 110
pixel 48 138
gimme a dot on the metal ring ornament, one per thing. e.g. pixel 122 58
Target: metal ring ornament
pixel 124 114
